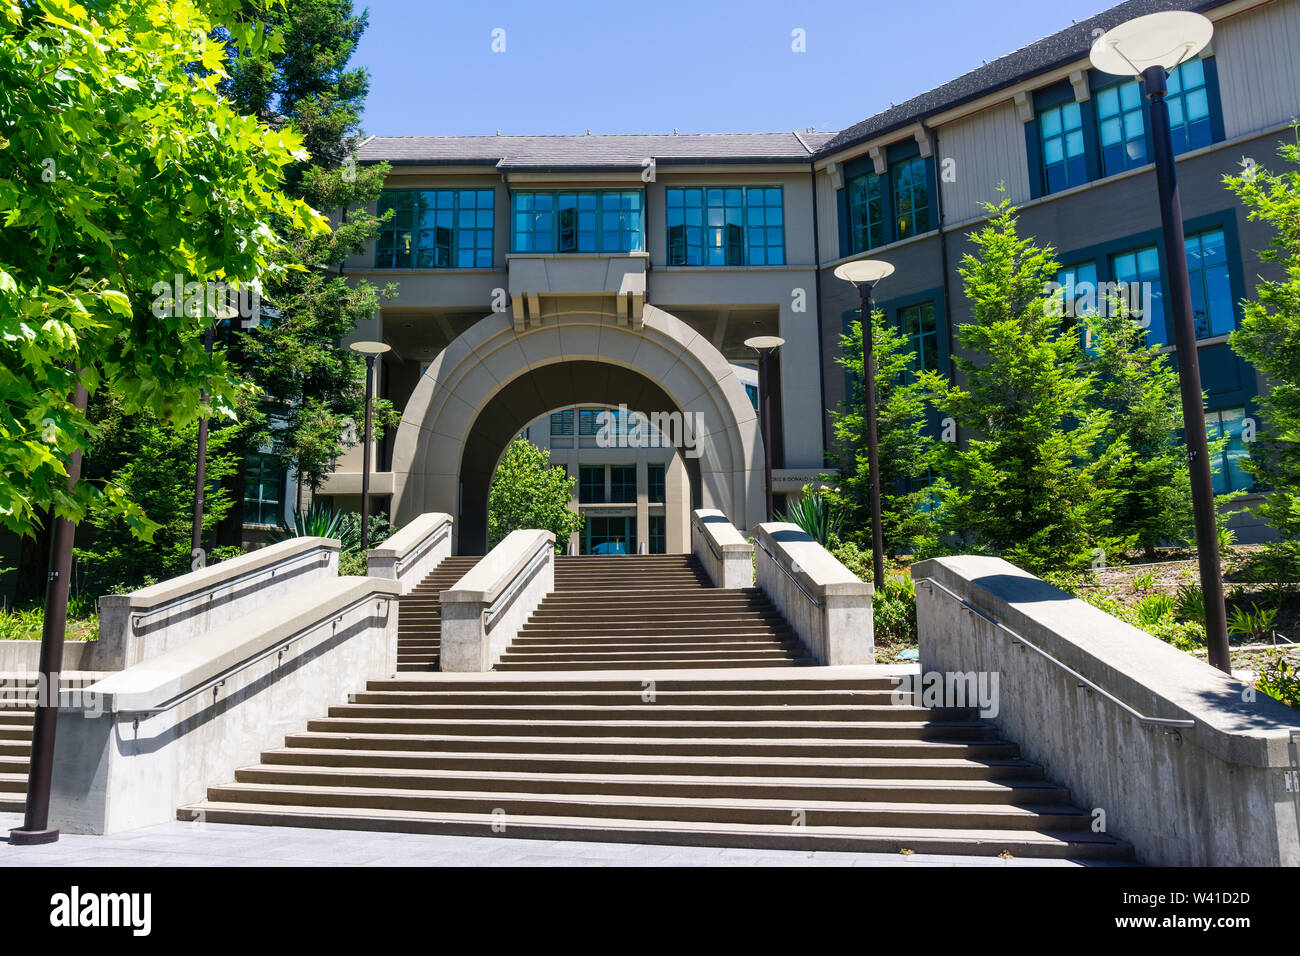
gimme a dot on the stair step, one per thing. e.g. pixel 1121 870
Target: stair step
pixel 840 713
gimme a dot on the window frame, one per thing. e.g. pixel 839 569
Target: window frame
pixel 627 206
pixel 483 229
pixel 737 250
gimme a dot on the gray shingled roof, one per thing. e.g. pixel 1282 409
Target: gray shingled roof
pixel 577 152
pixel 1056 50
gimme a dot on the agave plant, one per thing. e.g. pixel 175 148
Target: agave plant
pixel 318 522
pixel 815 516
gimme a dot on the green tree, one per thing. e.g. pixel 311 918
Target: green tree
pixel 906 450
pixel 1138 386
pixel 309 391
pixel 1269 338
pixel 1029 484
pixel 121 167
pixel 528 492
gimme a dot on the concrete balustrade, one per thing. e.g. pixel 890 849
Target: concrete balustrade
pixel 138 744
pixel 727 558
pixel 828 606
pixel 138 626
pixel 485 610
pixel 410 554
pixel 1223 792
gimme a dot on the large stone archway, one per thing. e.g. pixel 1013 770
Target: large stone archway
pixel 494 379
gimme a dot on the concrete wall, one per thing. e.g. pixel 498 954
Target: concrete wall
pixel 24 657
pixel 408 556
pixel 1212 795
pixel 118 767
pixel 485 609
pixel 728 559
pixel 826 604
pixel 138 626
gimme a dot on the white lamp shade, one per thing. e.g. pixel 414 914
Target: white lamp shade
pixel 761 342
pixel 864 270
pixel 1158 39
pixel 370 348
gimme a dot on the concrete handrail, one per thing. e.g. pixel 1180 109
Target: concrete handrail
pixel 727 558
pixel 483 612
pixel 133 747
pixel 1199 783
pixel 411 553
pixel 137 626
pixel 828 606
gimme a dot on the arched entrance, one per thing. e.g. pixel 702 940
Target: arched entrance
pixel 494 379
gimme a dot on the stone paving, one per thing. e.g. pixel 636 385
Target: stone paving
pixel 184 844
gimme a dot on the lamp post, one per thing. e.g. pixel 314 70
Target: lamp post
pixel 201 467
pixel 1147 48
pixel 865 273
pixel 371 350
pixel 765 345
pixel 36 818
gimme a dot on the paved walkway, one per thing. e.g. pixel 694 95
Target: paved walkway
pixel 185 844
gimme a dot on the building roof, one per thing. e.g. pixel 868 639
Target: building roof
pixel 593 151
pixel 1065 46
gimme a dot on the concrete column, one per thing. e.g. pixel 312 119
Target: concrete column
pixel 642 503
pixel 800 397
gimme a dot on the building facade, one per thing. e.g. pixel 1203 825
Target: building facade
pixel 541 276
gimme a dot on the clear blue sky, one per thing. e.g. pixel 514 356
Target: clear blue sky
pixel 645 66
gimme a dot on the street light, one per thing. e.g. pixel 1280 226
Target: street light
pixel 371 350
pixel 765 345
pixel 865 273
pixel 1147 48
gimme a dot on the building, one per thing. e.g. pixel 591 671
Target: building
pixel 547 274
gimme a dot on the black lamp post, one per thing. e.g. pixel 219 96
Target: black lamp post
pixel 765 345
pixel 371 350
pixel 1147 48
pixel 865 273
pixel 36 820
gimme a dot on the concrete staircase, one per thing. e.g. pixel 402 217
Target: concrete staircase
pixel 794 758
pixel 17 719
pixel 633 612
pixel 419 621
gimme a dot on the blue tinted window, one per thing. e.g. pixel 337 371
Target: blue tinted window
pixel 581 222
pixel 1120 128
pixel 1078 297
pixel 725 226
pixel 1207 268
pixel 1142 266
pixel 1189 107
pixel 436 229
pixel 911 198
pixel 866 213
pixel 1060 131
pixel 1228 473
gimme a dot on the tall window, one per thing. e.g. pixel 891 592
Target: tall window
pixel 1060 129
pixel 1207 268
pixel 622 483
pixel 917 323
pixel 1143 266
pixel 1078 294
pixel 866 212
pixel 263 490
pixel 1120 128
pixel 435 229
pixel 562 424
pixel 591 484
pixel 1228 474
pixel 605 221
pixel 589 420
pixel 725 226
pixel 911 197
pixel 655 475
pixel 1189 107
pixel 658 534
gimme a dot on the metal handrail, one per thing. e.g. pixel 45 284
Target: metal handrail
pixel 137 617
pixel 280 646
pixel 797 582
pixel 1019 639
pixel 434 537
pixel 490 611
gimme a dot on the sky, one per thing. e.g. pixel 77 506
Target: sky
pixel 701 66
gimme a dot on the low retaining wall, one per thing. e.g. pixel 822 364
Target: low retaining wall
pixel 409 555
pixel 485 610
pixel 24 657
pixel 1223 792
pixel 727 558
pixel 145 623
pixel 828 606
pixel 134 747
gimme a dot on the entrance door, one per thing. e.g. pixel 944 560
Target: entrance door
pixel 604 534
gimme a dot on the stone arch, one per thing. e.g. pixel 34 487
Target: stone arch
pixel 493 379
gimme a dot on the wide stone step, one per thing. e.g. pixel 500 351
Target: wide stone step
pixel 631 650
pixel 708 786
pixel 732 765
pixel 1024 843
pixel 651 712
pixel 623 698
pixel 635 665
pixel 794 681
